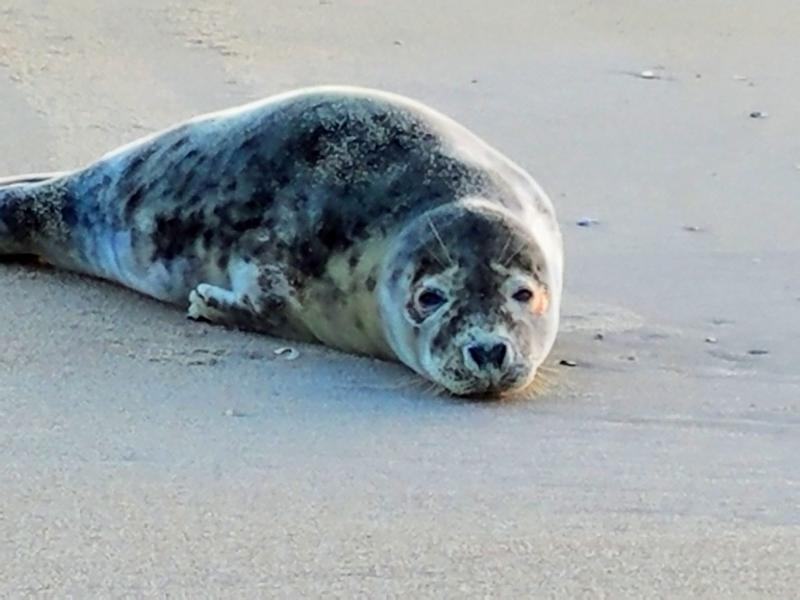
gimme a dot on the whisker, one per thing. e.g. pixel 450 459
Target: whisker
pixel 437 259
pixel 435 390
pixel 536 389
pixel 513 256
pixel 547 370
pixel 543 383
pixel 439 239
pixel 503 251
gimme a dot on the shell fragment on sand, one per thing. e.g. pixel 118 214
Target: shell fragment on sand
pixel 287 353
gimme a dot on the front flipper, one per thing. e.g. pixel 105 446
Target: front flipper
pixel 261 300
pixel 226 307
pixel 216 304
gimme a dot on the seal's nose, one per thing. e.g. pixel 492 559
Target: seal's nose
pixel 488 355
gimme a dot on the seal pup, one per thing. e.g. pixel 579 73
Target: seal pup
pixel 356 218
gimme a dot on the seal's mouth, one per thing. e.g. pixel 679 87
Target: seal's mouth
pixel 506 386
pixel 490 394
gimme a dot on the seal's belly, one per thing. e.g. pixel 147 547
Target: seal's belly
pixel 340 309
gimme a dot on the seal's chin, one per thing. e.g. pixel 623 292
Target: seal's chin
pixel 508 385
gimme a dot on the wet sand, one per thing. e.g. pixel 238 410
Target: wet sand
pixel 148 456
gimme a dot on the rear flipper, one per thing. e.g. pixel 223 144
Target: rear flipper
pixel 29 208
pixel 14 226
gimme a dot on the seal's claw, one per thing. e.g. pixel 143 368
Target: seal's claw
pixel 209 303
pixel 197 306
pixel 217 305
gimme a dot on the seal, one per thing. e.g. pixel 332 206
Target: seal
pixel 356 218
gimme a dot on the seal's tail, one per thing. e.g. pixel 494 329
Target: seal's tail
pixel 18 214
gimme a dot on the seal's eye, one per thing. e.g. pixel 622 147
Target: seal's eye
pixel 524 295
pixel 430 299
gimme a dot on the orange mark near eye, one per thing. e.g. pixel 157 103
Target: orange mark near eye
pixel 541 300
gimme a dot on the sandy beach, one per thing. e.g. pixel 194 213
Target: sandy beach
pixel 144 455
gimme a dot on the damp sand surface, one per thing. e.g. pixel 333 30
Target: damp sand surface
pixel 147 456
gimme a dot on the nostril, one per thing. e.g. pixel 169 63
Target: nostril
pixel 497 355
pixel 478 355
pixel 488 356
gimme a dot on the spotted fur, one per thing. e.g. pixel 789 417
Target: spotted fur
pixel 280 216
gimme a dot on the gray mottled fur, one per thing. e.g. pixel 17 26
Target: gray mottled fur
pixel 254 214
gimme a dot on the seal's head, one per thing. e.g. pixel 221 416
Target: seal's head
pixel 467 300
